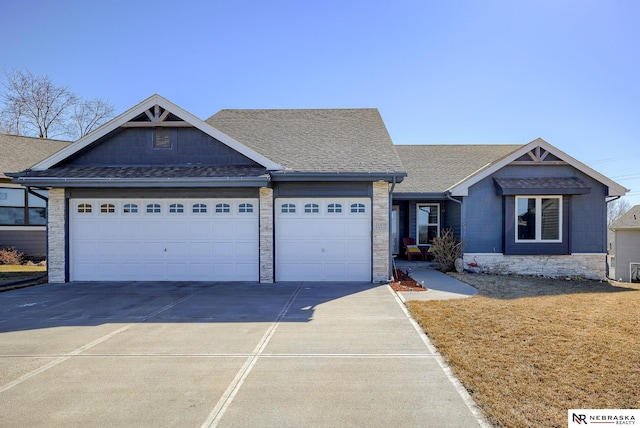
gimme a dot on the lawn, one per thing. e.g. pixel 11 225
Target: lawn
pixel 529 349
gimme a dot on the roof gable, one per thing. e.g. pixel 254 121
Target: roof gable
pixel 537 152
pixel 315 141
pixel 629 220
pixel 154 111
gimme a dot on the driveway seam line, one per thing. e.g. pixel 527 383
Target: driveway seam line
pixel 232 390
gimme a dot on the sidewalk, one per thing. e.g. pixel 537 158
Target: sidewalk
pixel 440 286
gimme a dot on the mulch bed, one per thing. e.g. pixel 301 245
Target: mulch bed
pixel 403 282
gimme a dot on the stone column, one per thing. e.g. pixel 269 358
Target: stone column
pixel 56 236
pixel 380 231
pixel 266 235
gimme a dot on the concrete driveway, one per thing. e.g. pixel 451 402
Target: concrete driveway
pixel 219 354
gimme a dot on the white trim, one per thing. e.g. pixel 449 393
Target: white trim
pixel 22 228
pixel 431 204
pixel 538 226
pixel 462 187
pixel 145 105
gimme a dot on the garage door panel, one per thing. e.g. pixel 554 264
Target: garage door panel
pixel 178 245
pixel 323 245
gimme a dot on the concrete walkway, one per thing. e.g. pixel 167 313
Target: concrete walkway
pixel 440 285
pixel 220 354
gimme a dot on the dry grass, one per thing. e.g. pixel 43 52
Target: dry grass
pixel 528 349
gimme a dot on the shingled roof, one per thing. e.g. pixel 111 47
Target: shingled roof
pixel 629 220
pixel 315 140
pixel 18 153
pixel 436 168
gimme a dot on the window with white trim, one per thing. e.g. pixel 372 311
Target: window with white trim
pixel 245 208
pixel 223 208
pixel 334 208
pixel 153 208
pixel 357 208
pixel 199 208
pixel 176 208
pixel 311 208
pixel 427 223
pixel 288 208
pixel 130 208
pixel 538 218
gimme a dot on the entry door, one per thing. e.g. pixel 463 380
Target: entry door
pixel 325 239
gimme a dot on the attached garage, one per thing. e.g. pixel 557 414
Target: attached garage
pixel 163 239
pixel 323 239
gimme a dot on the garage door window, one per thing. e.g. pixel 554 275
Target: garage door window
pixel 288 208
pixel 84 208
pixel 107 208
pixel 130 208
pixel 223 208
pixel 176 208
pixel 199 208
pixel 334 208
pixel 311 208
pixel 153 208
pixel 245 208
pixel 357 208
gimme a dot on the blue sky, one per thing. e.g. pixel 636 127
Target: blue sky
pixel 440 72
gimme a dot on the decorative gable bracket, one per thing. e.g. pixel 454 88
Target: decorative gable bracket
pixel 538 155
pixel 154 117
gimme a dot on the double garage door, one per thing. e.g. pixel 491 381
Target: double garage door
pixel 218 239
pixel 164 239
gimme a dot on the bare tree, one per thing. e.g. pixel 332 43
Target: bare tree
pixel 616 209
pixel 89 114
pixel 35 106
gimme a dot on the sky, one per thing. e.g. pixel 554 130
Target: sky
pixel 440 72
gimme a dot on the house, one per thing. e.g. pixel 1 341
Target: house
pixel 248 195
pixel 527 209
pixel 624 259
pixel 313 195
pixel 23 210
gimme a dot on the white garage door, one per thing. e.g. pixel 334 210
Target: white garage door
pixel 164 239
pixel 323 239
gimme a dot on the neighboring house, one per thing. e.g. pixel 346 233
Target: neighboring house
pixel 22 210
pixel 249 195
pixel 624 260
pixel 305 195
pixel 528 209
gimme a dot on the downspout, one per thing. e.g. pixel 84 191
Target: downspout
pixel 393 186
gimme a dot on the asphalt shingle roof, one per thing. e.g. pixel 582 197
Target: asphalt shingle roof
pixel 314 140
pixel 133 172
pixel 18 153
pixel 629 220
pixel 435 168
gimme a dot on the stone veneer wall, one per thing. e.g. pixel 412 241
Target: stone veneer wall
pixel 380 231
pixel 591 266
pixel 266 235
pixel 56 256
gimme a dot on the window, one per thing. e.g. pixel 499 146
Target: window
pixel 153 208
pixel 223 208
pixel 245 208
pixel 84 208
pixel 311 208
pixel 162 138
pixel 176 208
pixel 17 206
pixel 107 208
pixel 539 219
pixel 357 208
pixel 288 208
pixel 427 223
pixel 199 208
pixel 334 208
pixel 130 208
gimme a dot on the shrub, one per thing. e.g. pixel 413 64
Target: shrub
pixel 11 256
pixel 446 250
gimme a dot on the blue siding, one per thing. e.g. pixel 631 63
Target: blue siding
pixel 134 147
pixel 328 189
pixel 482 219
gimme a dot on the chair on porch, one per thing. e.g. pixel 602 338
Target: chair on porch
pixel 411 249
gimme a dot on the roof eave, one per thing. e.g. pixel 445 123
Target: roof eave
pixel 338 176
pixel 63 182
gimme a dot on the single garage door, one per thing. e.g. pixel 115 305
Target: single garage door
pixel 164 239
pixel 323 239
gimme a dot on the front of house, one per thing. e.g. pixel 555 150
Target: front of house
pixel 304 195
